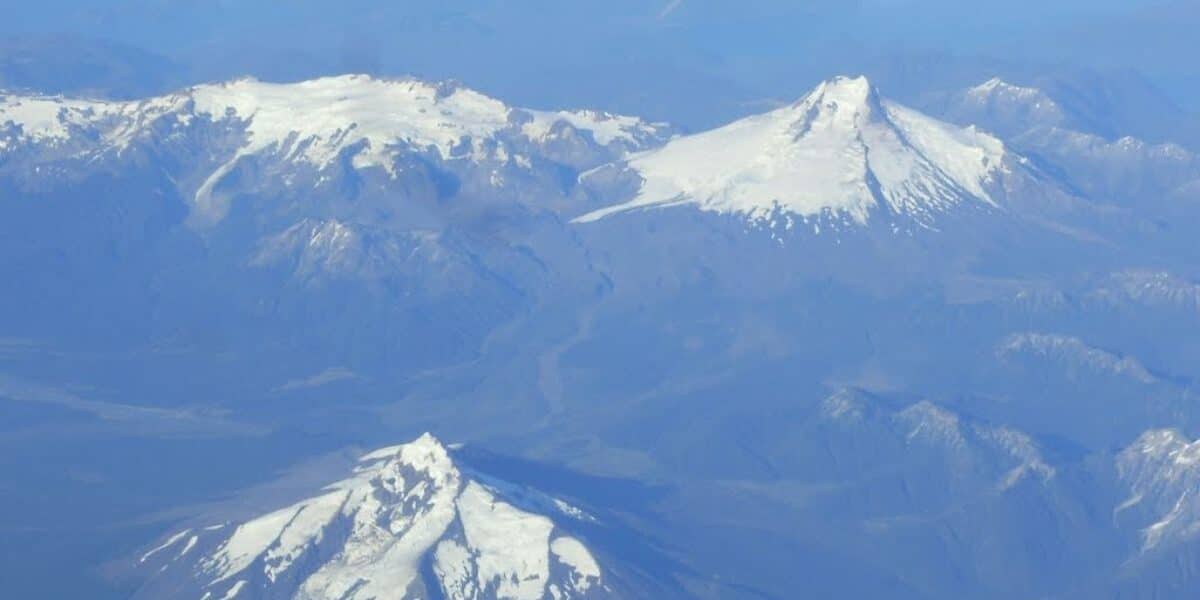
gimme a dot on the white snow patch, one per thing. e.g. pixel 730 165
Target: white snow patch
pixel 305 529
pixel 511 545
pixel 167 544
pixel 452 563
pixel 571 510
pixel 573 553
pixel 191 543
pixel 248 542
pixel 234 591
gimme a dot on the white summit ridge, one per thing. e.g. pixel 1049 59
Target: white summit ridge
pixel 316 126
pixel 407 523
pixel 315 120
pixel 841 151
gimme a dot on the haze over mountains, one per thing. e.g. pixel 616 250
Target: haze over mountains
pixel 1078 139
pixel 842 348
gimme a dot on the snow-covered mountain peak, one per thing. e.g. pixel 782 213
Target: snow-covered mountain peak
pixel 857 89
pixel 1005 108
pixel 996 86
pixel 407 523
pixel 426 454
pixel 841 153
pixel 997 94
pixel 1162 470
pixel 930 422
pixel 845 101
pixel 334 112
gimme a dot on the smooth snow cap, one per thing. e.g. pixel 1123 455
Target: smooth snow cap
pixel 841 149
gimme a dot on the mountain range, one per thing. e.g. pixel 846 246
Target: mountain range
pixel 842 348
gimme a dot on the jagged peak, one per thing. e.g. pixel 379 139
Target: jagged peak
pixel 1162 468
pixel 369 535
pixel 1167 444
pixel 426 450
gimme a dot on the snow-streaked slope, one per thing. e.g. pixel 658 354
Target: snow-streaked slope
pixel 842 150
pixel 1154 289
pixel 1073 353
pixel 1162 470
pixel 407 523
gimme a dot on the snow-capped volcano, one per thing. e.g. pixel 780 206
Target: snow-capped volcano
pixel 407 523
pixel 841 151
